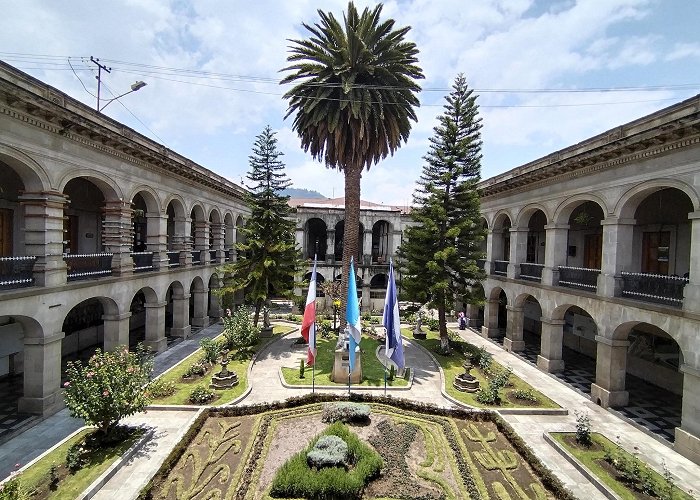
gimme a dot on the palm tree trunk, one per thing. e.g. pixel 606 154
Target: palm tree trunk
pixel 353 175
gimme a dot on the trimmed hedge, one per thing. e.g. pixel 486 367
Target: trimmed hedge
pixel 345 412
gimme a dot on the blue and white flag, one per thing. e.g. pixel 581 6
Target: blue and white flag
pixel 352 315
pixel 391 321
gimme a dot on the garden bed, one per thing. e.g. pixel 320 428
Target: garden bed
pixel 426 452
pixel 372 368
pixel 618 470
pixel 238 364
pixel 452 366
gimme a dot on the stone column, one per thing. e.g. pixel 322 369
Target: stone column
pixel 687 441
pixel 555 252
pixel 217 240
pixel 116 328
pixel 118 236
pixel 490 328
pixel 691 291
pixel 215 310
pixel 617 257
pixel 43 235
pixel 472 315
pixel 366 297
pixel 157 238
pixel 330 250
pixel 367 247
pixel 181 317
pixel 155 326
pixel 549 359
pixel 301 240
pixel 610 370
pixel 514 330
pixel 182 241
pixel 200 318
pixel 518 251
pixel 42 375
pixel 494 244
pixel 201 240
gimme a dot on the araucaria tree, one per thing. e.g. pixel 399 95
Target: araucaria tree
pixel 438 255
pixel 353 100
pixel 267 257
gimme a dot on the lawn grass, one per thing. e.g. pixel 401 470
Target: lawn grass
pixel 73 485
pixel 183 387
pixel 452 366
pixel 372 369
pixel 592 458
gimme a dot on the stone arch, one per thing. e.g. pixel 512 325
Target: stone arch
pixel 150 197
pixel 564 210
pixel 525 213
pixel 197 284
pixel 197 211
pixel 316 229
pixel 630 200
pixel 108 186
pixel 499 220
pixel 177 203
pixel 215 215
pixel 32 173
pixel 378 281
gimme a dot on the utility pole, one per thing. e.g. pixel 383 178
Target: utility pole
pixel 100 67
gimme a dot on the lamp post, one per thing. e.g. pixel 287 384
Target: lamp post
pixel 138 85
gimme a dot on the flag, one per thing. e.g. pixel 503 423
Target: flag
pixel 308 324
pixel 391 321
pixel 352 315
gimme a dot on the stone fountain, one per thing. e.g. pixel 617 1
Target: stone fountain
pixel 466 382
pixel 224 379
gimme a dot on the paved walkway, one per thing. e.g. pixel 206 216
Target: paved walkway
pixel 266 387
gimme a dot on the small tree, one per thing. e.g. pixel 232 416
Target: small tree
pixel 268 257
pixel 332 290
pixel 239 331
pixel 111 386
pixel 438 256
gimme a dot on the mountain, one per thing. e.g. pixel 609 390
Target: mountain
pixel 301 193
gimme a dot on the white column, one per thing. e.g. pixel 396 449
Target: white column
pixel 490 328
pixel 514 330
pixel 610 371
pixel 42 375
pixel 518 250
pixel 367 247
pixel 555 251
pixel 155 326
pixel 691 291
pixel 200 317
pixel 118 235
pixel 157 238
pixel 551 344
pixel 617 256
pixel 116 330
pixel 181 317
pixel 687 441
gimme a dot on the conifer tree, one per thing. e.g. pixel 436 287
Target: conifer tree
pixel 267 257
pixel 439 253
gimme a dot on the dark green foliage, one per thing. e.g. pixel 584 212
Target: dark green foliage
pixel 195 370
pixel 239 331
pixel 160 389
pixel 345 412
pixel 583 429
pixel 267 256
pixel 211 349
pixel 329 451
pixel 75 457
pixel 525 395
pixel 301 368
pixel 295 479
pixel 438 256
pixel 491 394
pixel 392 373
pixel 201 395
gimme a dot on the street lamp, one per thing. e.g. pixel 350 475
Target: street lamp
pixel 138 85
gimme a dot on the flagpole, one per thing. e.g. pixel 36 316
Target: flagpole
pixel 313 366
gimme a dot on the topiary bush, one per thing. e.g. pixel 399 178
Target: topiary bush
pixel 345 412
pixel 295 479
pixel 329 451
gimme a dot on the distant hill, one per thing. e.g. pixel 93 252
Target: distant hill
pixel 301 193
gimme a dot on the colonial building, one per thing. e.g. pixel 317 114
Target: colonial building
pixel 320 228
pixel 106 238
pixel 593 252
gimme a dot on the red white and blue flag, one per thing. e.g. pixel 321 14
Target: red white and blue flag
pixel 308 324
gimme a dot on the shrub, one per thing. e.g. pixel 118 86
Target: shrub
pixel 295 479
pixel 583 429
pixel 239 331
pixel 111 386
pixel 345 412
pixel 201 395
pixel 392 373
pixel 161 389
pixel 195 370
pixel 484 360
pixel 525 395
pixel 366 316
pixel 491 394
pixel 211 349
pixel 75 457
pixel 329 451
pixel 433 324
pixel 301 368
pixel 325 328
pixel 13 489
pixel 373 320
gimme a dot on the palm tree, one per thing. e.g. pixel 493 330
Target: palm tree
pixel 353 100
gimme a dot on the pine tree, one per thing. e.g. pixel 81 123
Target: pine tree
pixel 438 256
pixel 267 258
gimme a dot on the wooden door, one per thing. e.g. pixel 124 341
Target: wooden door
pixel 592 251
pixel 655 246
pixel 5 232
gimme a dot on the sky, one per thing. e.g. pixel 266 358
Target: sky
pixel 548 74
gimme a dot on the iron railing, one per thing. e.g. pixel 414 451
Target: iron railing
pixel 500 267
pixel 16 272
pixel 656 288
pixel 196 257
pixel 530 271
pixel 173 258
pixel 143 261
pixel 579 277
pixel 88 266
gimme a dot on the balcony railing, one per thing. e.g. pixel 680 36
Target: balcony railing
pixel 174 259
pixel 500 267
pixel 16 272
pixel 530 271
pixel 212 256
pixel 196 257
pixel 654 288
pixel 579 277
pixel 88 266
pixel 143 261
pixel 481 263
